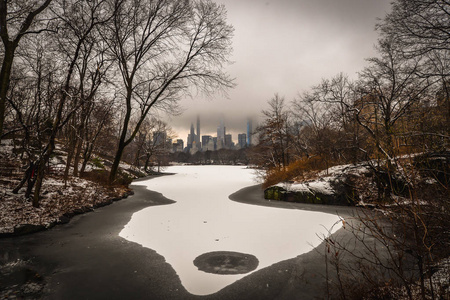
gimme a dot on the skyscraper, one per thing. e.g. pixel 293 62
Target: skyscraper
pixel 228 141
pixel 249 132
pixel 191 138
pixel 197 138
pixel 221 132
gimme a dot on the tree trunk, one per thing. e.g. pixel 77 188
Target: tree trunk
pixel 117 159
pixel 28 174
pixel 137 157
pixel 86 156
pixel 147 162
pixel 41 170
pixel 77 157
pixel 37 190
pixel 83 165
pixel 122 141
pixel 70 153
pixel 5 74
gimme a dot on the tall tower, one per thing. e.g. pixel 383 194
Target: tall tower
pixel 249 132
pixel 221 134
pixel 191 138
pixel 197 138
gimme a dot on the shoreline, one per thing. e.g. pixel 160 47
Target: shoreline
pixel 254 195
pixel 308 271
pixel 86 258
pixel 25 228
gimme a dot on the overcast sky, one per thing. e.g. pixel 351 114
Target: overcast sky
pixel 284 47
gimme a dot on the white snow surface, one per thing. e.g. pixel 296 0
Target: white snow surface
pixel 204 219
pixel 355 169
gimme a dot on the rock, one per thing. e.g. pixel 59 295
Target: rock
pixel 339 193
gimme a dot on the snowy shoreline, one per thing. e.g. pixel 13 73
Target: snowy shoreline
pixel 60 203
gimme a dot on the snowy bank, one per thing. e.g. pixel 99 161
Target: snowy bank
pixel 334 187
pixel 59 203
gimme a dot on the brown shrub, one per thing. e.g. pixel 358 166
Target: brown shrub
pixel 298 168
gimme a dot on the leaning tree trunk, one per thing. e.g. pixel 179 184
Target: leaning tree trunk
pixel 117 159
pixel 122 141
pixel 5 74
pixel 41 170
pixel 86 157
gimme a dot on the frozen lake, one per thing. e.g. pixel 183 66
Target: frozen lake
pixel 204 220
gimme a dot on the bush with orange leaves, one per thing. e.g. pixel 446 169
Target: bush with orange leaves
pixel 299 169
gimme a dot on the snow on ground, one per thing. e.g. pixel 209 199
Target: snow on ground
pixel 354 169
pixel 58 198
pixel 204 220
pixel 322 185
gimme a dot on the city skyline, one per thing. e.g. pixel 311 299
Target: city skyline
pixel 198 138
pixel 209 125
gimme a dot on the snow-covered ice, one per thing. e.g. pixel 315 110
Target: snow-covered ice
pixel 204 219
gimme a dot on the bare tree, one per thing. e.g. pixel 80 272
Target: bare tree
pixel 92 69
pixel 326 113
pixel 274 134
pixel 32 96
pixel 163 49
pixel 422 28
pixel 17 19
pixel 390 87
pixel 420 25
pixel 99 116
pixel 322 125
pixel 150 146
pixel 75 34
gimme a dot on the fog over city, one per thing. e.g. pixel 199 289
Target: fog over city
pixel 284 47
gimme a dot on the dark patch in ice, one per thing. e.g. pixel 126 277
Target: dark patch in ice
pixel 226 262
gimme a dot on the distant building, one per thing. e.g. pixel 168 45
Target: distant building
pixel 249 132
pixel 178 146
pixel 207 143
pixel 242 140
pixel 193 141
pixel 197 136
pixel 209 146
pixel 205 139
pixel 228 141
pixel 221 132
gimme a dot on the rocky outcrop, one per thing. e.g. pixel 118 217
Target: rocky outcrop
pixel 334 189
pixel 342 195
